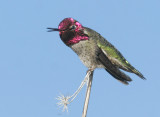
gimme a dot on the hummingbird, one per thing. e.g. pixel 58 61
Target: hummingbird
pixel 94 50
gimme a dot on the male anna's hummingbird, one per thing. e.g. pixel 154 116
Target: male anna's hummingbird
pixel 94 50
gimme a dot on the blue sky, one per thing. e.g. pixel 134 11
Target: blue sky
pixel 35 66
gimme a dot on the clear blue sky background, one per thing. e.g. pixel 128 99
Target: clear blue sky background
pixel 35 66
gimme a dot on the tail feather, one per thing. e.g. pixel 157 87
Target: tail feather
pixel 129 68
pixel 139 74
pixel 135 71
pixel 120 76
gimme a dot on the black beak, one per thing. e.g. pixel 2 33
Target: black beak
pixel 52 29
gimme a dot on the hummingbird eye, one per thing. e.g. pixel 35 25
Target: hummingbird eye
pixel 72 27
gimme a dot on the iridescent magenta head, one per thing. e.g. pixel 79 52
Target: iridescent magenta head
pixel 70 31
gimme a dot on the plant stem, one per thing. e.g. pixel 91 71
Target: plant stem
pixel 88 91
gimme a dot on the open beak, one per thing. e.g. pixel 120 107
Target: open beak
pixel 53 29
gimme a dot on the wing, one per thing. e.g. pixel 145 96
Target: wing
pixel 112 69
pixel 116 57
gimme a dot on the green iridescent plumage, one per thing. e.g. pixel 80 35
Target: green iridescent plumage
pixel 113 55
pixel 116 57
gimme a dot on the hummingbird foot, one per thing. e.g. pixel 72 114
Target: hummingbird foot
pixel 88 74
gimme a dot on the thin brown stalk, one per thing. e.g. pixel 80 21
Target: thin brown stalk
pixel 88 91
